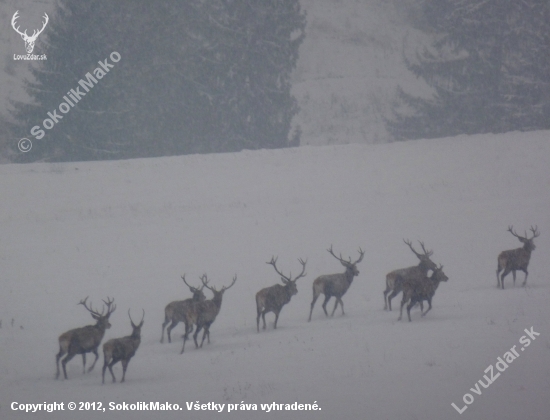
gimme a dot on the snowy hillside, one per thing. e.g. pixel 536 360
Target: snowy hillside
pixel 130 229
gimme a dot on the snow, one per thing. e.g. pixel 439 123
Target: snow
pixel 130 229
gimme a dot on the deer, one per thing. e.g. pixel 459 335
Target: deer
pixel 122 349
pixel 394 279
pixel 85 339
pixel 272 299
pixel 335 284
pixel 177 311
pixel 29 40
pixel 204 313
pixel 418 290
pixel 516 259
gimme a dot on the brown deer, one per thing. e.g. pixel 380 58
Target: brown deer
pixel 418 290
pixel 176 311
pixel 204 313
pixel 516 259
pixel 85 339
pixel 394 279
pixel 335 284
pixel 122 349
pixel 272 299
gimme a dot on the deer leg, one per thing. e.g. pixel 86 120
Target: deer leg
pixel 111 369
pixel 276 319
pixel 504 274
pixel 170 328
pixel 197 330
pixel 526 274
pixel 124 367
pixel 312 304
pixel 57 357
pixel 263 320
pixel 83 363
pixel 429 307
pixel 184 340
pixel 403 301
pixel 258 320
pixel 64 363
pixel 205 332
pixel 94 351
pixel 392 295
pixel 325 304
pixel 409 306
pixel 514 275
pixel 164 324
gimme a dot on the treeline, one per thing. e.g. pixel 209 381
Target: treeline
pixel 489 68
pixel 194 76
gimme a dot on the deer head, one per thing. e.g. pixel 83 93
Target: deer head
pixel 198 294
pixel 289 281
pixel 425 257
pixel 350 266
pixel 528 243
pixel 102 320
pixel 29 40
pixel 217 294
pixel 136 328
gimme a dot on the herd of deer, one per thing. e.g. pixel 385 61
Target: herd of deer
pixel 200 313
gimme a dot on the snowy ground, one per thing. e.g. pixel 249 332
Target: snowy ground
pixel 129 229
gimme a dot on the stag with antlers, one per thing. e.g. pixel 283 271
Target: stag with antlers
pixel 204 313
pixel 177 311
pixel 516 259
pixel 394 279
pixel 122 349
pixel 272 299
pixel 418 290
pixel 335 284
pixel 29 40
pixel 85 339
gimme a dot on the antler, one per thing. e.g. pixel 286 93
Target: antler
pixel 362 254
pixel 92 311
pixel 338 258
pixel 13 19
pixel 188 285
pixel 285 278
pixel 47 19
pixel 511 230
pixel 35 33
pixel 109 309
pixel 232 283
pixel 535 232
pixel 142 318
pixel 204 280
pixel 419 256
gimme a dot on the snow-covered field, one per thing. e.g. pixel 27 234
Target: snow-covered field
pixel 130 229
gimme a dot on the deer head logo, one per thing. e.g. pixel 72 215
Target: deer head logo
pixel 29 40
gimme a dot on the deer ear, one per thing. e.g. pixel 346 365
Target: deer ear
pixel 285 281
pixel 96 317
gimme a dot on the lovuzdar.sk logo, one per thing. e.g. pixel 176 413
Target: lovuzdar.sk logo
pixel 29 40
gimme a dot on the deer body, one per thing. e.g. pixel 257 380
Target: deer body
pixel 419 290
pixel 335 284
pixel 516 259
pixel 85 339
pixel 121 350
pixel 204 313
pixel 395 279
pixel 272 299
pixel 178 310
